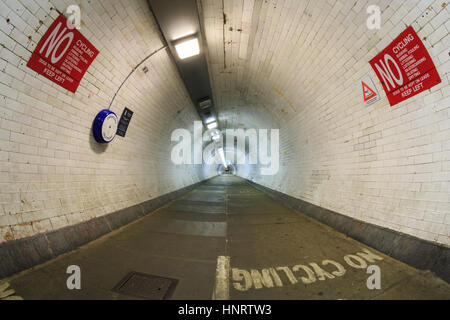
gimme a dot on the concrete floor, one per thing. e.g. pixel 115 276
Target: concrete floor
pixel 227 217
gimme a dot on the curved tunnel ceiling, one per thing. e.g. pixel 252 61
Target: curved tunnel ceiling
pixel 284 56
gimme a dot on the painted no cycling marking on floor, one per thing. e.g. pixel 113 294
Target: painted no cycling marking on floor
pixel 244 280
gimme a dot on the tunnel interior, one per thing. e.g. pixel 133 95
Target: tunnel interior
pixel 255 149
pixel 229 170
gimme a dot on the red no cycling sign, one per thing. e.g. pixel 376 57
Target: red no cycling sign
pixel 405 68
pixel 63 55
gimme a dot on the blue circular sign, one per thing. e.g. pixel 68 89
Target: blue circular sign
pixel 105 126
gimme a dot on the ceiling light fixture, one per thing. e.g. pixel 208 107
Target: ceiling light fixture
pixel 210 120
pixel 205 103
pixel 212 125
pixel 215 134
pixel 187 47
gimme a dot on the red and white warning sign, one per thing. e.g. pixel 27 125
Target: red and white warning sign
pixel 63 55
pixel 405 67
pixel 369 92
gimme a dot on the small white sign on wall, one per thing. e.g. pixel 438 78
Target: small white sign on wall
pixel 369 92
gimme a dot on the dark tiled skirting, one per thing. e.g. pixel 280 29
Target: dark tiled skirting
pixel 19 255
pixel 416 252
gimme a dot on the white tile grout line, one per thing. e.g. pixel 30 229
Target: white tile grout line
pixel 222 284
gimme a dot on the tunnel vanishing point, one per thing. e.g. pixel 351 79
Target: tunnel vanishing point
pixel 224 150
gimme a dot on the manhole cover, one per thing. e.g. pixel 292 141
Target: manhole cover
pixel 145 286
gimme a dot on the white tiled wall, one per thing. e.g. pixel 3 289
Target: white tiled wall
pixel 52 173
pixel 299 61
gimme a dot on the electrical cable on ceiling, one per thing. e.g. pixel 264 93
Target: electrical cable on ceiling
pixel 134 69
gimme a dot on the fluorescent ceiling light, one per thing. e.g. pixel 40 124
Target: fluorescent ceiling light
pixel 215 134
pixel 188 48
pixel 205 103
pixel 210 120
pixel 212 125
